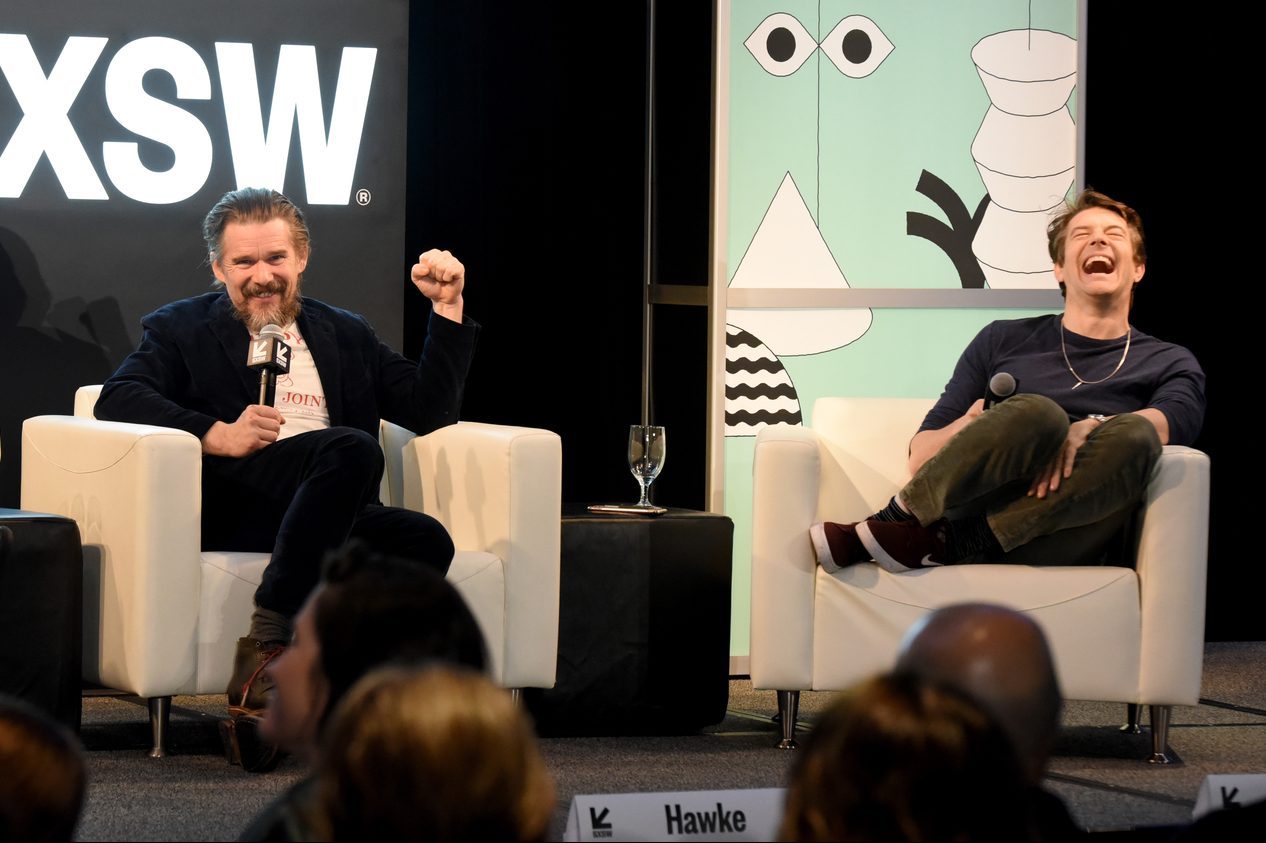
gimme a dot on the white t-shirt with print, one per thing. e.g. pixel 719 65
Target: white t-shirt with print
pixel 300 396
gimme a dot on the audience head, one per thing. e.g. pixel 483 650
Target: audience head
pixel 905 758
pixel 1000 658
pixel 369 610
pixel 434 753
pixel 42 784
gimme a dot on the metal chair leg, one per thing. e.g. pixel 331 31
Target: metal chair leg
pixel 1161 752
pixel 159 715
pixel 788 709
pixel 1132 726
pixel 516 697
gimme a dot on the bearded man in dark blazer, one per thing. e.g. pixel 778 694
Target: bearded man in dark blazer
pixel 301 477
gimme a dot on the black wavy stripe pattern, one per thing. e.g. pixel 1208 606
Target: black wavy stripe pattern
pixel 737 342
pixel 738 338
pixel 761 390
pixel 763 417
pixel 733 367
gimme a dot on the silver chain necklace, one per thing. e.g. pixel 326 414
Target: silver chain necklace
pixel 1129 332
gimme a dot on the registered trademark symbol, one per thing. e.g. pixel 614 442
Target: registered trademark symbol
pixel 363 197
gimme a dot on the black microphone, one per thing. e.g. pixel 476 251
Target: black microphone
pixel 271 356
pixel 1001 387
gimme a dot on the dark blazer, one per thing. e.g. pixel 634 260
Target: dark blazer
pixel 190 370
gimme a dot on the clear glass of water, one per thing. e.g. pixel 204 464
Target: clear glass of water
pixel 646 456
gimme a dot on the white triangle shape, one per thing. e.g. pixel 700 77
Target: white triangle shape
pixel 788 252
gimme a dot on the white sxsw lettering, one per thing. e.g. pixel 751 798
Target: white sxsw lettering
pixel 259 156
pixel 158 120
pixel 45 128
pixel 259 159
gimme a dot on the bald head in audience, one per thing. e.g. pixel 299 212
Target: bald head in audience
pixel 1000 658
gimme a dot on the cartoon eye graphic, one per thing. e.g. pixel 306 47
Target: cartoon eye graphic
pixel 780 44
pixel 857 46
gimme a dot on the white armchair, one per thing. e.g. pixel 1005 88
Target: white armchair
pixel 161 616
pixel 1132 635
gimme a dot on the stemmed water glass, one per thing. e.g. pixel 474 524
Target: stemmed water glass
pixel 646 457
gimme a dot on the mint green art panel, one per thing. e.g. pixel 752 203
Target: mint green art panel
pixel 912 145
pixel 856 147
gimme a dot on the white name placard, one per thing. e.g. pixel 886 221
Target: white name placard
pixel 682 815
pixel 1229 791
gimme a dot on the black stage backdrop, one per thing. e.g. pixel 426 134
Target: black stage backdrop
pixel 1166 133
pixel 120 125
pixel 526 156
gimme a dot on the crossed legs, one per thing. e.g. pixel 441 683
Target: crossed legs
pixel 977 486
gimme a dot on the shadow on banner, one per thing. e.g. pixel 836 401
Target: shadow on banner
pixel 47 350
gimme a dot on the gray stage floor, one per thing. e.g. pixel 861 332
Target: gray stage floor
pixel 195 795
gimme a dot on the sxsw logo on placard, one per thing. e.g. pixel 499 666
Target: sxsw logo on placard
pixel 259 353
pixel 269 351
pixel 601 828
pixel 259 156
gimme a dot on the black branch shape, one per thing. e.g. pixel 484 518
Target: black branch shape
pixel 954 239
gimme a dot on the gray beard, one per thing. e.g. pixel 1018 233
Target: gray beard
pixel 281 316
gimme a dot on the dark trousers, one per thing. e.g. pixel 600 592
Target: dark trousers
pixel 989 466
pixel 302 497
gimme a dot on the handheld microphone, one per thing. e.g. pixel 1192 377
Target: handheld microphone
pixel 1001 387
pixel 271 357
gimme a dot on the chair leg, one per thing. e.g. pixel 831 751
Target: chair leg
pixel 159 715
pixel 516 697
pixel 1161 752
pixel 1132 726
pixel 788 709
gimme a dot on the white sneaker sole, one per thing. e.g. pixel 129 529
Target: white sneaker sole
pixel 822 550
pixel 877 552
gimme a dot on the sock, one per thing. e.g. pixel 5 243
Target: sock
pixel 270 627
pixel 892 512
pixel 970 537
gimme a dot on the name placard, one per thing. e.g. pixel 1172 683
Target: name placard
pixel 1229 791
pixel 681 815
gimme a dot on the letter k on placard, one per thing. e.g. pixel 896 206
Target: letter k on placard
pixel 599 820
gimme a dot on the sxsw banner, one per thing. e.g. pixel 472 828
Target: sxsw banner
pixel 885 170
pixel 121 123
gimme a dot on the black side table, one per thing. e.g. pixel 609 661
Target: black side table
pixel 644 625
pixel 41 612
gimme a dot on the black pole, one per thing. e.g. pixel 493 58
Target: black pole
pixel 647 197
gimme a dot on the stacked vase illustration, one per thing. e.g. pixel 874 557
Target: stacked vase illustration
pixel 1025 151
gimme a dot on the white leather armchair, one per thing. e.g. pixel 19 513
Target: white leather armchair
pixel 162 617
pixel 1132 635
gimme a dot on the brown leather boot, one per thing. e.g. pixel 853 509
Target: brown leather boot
pixel 243 745
pixel 248 692
pixel 250 683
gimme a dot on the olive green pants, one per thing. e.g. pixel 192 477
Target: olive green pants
pixel 989 466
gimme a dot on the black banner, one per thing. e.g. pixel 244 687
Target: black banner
pixel 120 125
